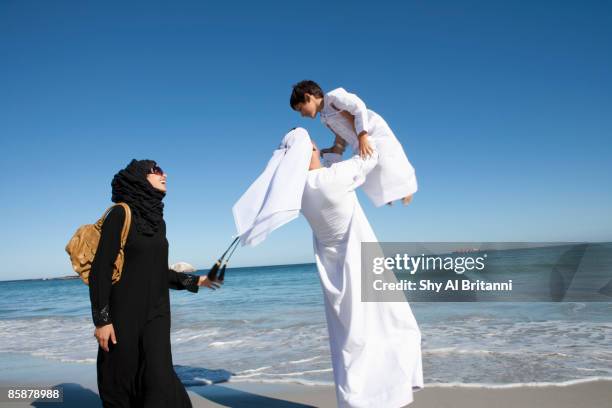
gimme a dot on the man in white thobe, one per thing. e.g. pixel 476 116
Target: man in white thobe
pixel 375 346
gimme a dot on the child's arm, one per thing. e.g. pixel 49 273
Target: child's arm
pixel 365 149
pixel 353 106
pixel 342 100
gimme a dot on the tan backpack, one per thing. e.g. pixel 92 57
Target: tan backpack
pixel 83 245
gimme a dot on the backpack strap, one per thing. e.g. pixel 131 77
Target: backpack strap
pixel 126 224
pixel 103 217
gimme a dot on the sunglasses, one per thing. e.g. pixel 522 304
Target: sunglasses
pixel 156 170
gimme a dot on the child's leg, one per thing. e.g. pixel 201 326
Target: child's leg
pixel 406 200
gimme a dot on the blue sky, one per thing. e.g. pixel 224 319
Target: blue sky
pixel 504 109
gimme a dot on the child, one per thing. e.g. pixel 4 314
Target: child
pixel 348 118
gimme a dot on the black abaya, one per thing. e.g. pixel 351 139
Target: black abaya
pixel 137 371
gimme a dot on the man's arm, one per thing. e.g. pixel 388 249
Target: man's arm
pixel 338 147
pixel 351 173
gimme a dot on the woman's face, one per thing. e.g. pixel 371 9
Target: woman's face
pixel 157 178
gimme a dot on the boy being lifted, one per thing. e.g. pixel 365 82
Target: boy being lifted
pixel 347 116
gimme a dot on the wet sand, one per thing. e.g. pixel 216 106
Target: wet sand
pixel 78 381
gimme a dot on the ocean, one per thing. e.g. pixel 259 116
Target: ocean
pixel 267 324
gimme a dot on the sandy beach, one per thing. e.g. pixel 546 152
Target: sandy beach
pixel 587 394
pixel 79 384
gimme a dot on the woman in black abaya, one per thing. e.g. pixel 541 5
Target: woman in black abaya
pixel 132 317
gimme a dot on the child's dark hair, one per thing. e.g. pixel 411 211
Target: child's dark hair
pixel 301 89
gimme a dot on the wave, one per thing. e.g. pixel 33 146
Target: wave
pixel 253 370
pixel 282 381
pixel 455 350
pixel 178 339
pixel 255 374
pixel 305 360
pixel 440 385
pixel 79 360
pixel 518 385
pixel 224 343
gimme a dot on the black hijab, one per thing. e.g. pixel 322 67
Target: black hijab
pixel 131 186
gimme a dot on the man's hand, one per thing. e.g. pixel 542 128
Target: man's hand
pixel 365 149
pixel 334 149
pixel 212 284
pixel 338 147
pixel 103 334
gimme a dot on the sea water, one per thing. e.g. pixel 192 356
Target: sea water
pixel 267 324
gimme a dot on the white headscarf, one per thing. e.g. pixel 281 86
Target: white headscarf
pixel 275 198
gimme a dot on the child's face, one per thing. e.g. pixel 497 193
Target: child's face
pixel 308 108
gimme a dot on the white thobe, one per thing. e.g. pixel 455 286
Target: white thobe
pixel 375 346
pixel 394 177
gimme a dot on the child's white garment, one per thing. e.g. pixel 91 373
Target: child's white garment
pixel 394 177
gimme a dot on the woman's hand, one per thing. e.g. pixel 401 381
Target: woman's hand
pixel 103 334
pixel 212 284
